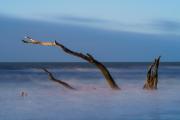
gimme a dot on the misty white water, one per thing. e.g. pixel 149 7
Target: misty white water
pixel 93 98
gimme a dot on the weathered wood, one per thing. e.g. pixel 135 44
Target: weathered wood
pixel 51 77
pixel 89 58
pixel 152 75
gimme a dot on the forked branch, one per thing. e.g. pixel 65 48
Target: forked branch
pixel 89 58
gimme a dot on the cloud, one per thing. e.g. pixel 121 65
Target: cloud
pixel 80 19
pixel 155 26
pixel 166 25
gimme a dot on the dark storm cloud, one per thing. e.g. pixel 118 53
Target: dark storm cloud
pixel 105 45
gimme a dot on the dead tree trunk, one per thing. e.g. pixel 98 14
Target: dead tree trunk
pixel 51 77
pixel 89 58
pixel 152 75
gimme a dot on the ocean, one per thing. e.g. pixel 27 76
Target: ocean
pixel 93 99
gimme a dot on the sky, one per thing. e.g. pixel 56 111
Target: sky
pixel 111 30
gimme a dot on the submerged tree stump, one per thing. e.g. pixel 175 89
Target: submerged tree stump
pixel 89 58
pixel 152 75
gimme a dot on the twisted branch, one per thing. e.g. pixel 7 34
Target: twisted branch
pixel 89 58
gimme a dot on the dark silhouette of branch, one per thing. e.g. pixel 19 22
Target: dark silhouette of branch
pixel 89 58
pixel 152 75
pixel 51 77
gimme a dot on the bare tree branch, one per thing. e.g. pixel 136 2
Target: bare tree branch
pixel 51 77
pixel 89 58
pixel 30 40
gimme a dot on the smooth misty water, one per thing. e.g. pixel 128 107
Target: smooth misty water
pixel 93 99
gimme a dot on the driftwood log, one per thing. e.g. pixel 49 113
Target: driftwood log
pixel 152 75
pixel 89 58
pixel 51 77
